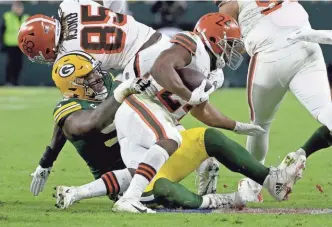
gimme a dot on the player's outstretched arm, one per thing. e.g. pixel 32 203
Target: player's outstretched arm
pixel 313 36
pixel 163 70
pixel 85 122
pixel 212 117
pixel 40 176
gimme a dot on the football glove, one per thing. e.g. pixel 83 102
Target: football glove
pixel 133 86
pixel 39 178
pixel 199 96
pixel 248 129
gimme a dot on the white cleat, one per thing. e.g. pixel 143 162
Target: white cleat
pixel 207 174
pixel 291 157
pixel 131 206
pixel 224 201
pixel 248 192
pixel 65 196
pixel 281 180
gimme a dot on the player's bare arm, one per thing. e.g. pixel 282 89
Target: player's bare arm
pixel 210 116
pixel 228 7
pixel 84 122
pixel 164 70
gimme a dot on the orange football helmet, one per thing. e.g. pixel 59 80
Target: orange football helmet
pixel 221 34
pixel 38 38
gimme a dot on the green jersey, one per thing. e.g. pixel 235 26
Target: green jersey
pixel 100 151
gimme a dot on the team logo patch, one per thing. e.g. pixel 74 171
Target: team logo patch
pixel 66 70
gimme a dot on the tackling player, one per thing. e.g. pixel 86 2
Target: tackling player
pixel 149 136
pixel 279 64
pixel 86 113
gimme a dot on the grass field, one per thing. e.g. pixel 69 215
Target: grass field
pixel 25 130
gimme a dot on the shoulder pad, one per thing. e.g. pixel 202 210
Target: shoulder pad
pixel 64 108
pixel 186 39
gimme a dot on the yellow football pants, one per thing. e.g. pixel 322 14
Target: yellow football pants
pixel 185 160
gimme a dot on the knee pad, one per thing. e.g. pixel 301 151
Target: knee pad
pixel 324 115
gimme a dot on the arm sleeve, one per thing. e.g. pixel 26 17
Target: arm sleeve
pixel 52 151
pixel 115 6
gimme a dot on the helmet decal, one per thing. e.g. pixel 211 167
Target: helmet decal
pixel 66 70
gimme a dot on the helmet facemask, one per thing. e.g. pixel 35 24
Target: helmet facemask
pixel 232 50
pixel 93 84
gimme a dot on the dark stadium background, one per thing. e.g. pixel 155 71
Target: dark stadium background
pixel 39 75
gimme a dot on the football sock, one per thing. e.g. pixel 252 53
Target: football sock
pixel 178 195
pixel 110 183
pixel 258 145
pixel 319 140
pixel 155 157
pixel 232 155
pixel 117 181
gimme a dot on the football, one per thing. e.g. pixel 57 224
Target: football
pixel 192 78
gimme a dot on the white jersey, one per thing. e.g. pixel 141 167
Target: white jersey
pixel 265 25
pixel 110 37
pixel 176 106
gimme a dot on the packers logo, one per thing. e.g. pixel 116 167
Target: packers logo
pixel 66 70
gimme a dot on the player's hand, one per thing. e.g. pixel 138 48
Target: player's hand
pixel 248 129
pixel 199 96
pixel 133 86
pixel 146 87
pixel 39 178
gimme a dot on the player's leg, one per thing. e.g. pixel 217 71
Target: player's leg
pixel 237 159
pixel 174 195
pixel 214 143
pixel 165 190
pixel 265 94
pixel 157 133
pixel 310 86
pixel 111 183
pixel 232 155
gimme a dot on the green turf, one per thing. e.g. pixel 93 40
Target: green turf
pixel 26 127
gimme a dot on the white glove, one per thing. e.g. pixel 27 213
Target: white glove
pixel 199 96
pixel 132 86
pixel 146 87
pixel 39 178
pixel 248 129
pixel 313 36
